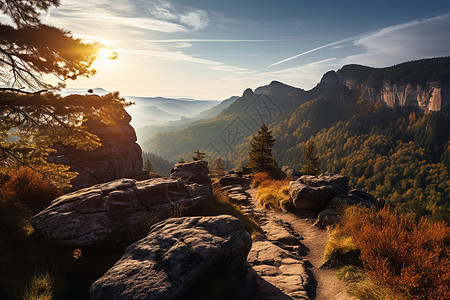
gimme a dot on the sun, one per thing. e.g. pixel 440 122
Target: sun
pixel 105 55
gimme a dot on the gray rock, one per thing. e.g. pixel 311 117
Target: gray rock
pixel 175 255
pixel 105 213
pixel 315 192
pixel 193 171
pixel 291 173
pixel 280 268
pixel 338 182
pixel 357 197
pixel 119 156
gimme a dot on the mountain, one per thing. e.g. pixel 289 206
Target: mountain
pixel 159 111
pixel 398 150
pixel 214 111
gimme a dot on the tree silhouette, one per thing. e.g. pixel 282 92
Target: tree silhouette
pixel 32 119
pixel 148 166
pixel 312 161
pixel 31 49
pixel 198 155
pixel 260 155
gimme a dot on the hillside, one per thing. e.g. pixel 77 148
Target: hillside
pixel 354 134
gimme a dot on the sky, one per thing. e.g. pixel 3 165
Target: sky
pixel 207 49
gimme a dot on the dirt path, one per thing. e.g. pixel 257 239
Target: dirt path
pixel 328 286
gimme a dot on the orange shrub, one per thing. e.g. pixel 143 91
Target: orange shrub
pixel 274 194
pixel 260 177
pixel 405 255
pixel 29 188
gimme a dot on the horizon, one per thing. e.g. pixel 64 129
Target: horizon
pixel 202 50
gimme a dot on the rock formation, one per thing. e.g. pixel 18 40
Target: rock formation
pixel 105 213
pixel 315 192
pixel 192 171
pixel 176 255
pixel 119 156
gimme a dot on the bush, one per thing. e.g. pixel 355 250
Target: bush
pixel 273 194
pixel 404 255
pixel 260 177
pixel 29 188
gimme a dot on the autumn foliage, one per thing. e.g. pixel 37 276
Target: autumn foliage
pixel 29 188
pixel 272 194
pixel 407 256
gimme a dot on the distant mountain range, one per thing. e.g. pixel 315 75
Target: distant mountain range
pixel 159 111
pixel 423 85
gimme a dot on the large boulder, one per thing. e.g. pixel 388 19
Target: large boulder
pixel 315 192
pixel 357 197
pixel 119 156
pixel 233 179
pixel 192 171
pixel 105 213
pixel 291 173
pixel 177 259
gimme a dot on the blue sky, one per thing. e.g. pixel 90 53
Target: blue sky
pixel 214 49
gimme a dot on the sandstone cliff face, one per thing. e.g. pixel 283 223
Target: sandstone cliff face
pixel 118 157
pixel 429 98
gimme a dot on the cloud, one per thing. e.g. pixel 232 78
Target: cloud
pixel 306 76
pixel 404 42
pixel 346 40
pixel 196 19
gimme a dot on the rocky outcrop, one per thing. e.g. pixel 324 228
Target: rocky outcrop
pixel 429 97
pixel 315 192
pixel 105 213
pixel 193 171
pixel 176 256
pixel 119 156
pixel 291 173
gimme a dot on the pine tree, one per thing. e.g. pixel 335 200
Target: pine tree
pixel 260 155
pixel 148 166
pixel 199 155
pixel 312 161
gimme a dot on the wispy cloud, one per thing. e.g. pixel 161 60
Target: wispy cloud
pixel 342 41
pixel 222 40
pixel 408 41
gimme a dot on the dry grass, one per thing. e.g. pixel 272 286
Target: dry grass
pixel 39 288
pixel 409 259
pixel 272 194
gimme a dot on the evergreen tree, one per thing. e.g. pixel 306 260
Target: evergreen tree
pixel 148 166
pixel 260 155
pixel 312 161
pixel 199 155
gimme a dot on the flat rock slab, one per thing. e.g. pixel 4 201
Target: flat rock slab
pixel 105 213
pixel 280 268
pixel 173 257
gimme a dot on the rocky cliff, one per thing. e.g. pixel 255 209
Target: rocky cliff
pixel 119 156
pixel 424 84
